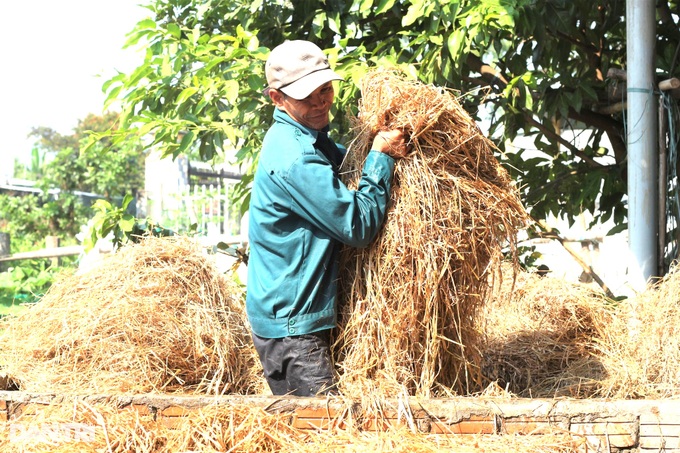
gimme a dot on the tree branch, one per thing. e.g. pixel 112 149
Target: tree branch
pixel 559 139
pixel 581 262
pixel 612 127
pixel 489 74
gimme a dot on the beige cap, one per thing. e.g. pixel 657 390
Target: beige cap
pixel 297 68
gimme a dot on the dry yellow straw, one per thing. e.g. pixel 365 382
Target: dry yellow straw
pixel 640 347
pixel 89 427
pixel 410 299
pixel 155 317
pixel 553 338
pixel 541 337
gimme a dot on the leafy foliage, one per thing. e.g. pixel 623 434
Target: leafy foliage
pixel 24 219
pixel 120 225
pixel 68 180
pixel 109 219
pixel 101 168
pixel 536 68
pixel 30 278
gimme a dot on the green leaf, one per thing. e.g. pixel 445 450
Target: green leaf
pixel 186 94
pixel 415 10
pixel 576 100
pixel 126 223
pixel 384 5
pixel 187 141
pixel 139 74
pixel 231 91
pixel 174 30
pixel 588 89
pixel 101 205
pixel 437 40
pixel 365 6
pixel 334 23
pixel 126 201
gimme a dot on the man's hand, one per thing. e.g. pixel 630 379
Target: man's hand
pixel 392 143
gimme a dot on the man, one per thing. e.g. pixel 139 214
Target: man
pixel 300 215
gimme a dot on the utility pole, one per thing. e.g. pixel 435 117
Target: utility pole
pixel 642 142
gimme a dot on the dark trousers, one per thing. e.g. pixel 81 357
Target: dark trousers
pixel 299 365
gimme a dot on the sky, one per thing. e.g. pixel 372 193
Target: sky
pixel 56 55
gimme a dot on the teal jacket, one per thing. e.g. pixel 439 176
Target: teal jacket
pixel 300 215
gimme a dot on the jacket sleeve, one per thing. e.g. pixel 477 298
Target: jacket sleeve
pixel 352 217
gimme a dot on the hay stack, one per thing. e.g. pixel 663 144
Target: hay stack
pixel 541 336
pixel 155 317
pixel 552 338
pixel 640 348
pixel 410 299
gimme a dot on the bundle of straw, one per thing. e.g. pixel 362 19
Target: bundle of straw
pixel 409 300
pixel 541 337
pixel 156 316
pixel 640 348
pixel 560 338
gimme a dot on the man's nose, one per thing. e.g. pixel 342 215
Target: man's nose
pixel 318 100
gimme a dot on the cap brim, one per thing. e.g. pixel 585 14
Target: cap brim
pixel 304 86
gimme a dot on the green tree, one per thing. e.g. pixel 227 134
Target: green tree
pixel 538 68
pixel 67 175
pixel 101 168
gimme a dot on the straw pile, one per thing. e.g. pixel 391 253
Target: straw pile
pixel 154 317
pixel 551 338
pixel 540 337
pixel 640 348
pixel 244 429
pixel 409 300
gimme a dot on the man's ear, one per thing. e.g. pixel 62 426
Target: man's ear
pixel 276 97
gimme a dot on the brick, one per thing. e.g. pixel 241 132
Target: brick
pixel 19 410
pixel 175 411
pixel 473 425
pixel 527 426
pixel 317 423
pixel 382 424
pixel 608 433
pixel 171 422
pixel 141 409
pixel 316 412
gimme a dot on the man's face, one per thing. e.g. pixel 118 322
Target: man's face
pixel 312 111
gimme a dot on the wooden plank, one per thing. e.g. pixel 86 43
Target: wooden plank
pixel 53 252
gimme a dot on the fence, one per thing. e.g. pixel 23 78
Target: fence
pixel 207 206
